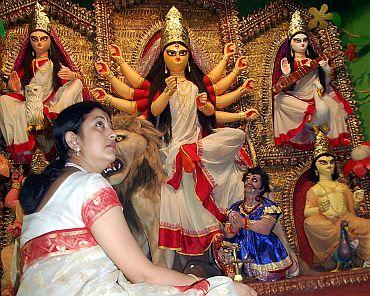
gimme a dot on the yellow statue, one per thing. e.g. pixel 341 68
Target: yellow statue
pixel 328 203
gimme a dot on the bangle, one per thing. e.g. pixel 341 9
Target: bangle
pixel 108 100
pixel 131 93
pixel 229 228
pixel 16 185
pixel 75 75
pixel 242 116
pixel 120 60
pixel 235 71
pixel 225 57
pixel 108 75
pixel 193 276
pixel 167 91
pixel 242 90
pixel 133 105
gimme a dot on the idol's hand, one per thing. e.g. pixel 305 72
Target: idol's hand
pixel 241 63
pixel 171 83
pixel 66 74
pixel 358 196
pixel 229 50
pixel 114 51
pixel 324 206
pixel 15 82
pixel 248 84
pixel 102 67
pixel 201 100
pixel 99 94
pixel 251 114
pixel 285 67
pixel 236 220
pixel 14 229
pixel 17 176
pixel 325 65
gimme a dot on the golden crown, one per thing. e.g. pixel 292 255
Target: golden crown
pixel 321 145
pixel 173 29
pixel 40 20
pixel 297 24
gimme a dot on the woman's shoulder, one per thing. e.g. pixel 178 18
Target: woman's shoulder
pixel 91 179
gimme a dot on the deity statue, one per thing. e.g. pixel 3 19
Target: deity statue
pixel 198 159
pixel 40 83
pixel 251 223
pixel 328 204
pixel 304 100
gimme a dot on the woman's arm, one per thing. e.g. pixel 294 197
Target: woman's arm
pixel 127 106
pixel 228 117
pixel 120 246
pixel 311 207
pixel 132 76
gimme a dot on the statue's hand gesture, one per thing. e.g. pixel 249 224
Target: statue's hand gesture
pixel 171 83
pixel 241 63
pixel 114 51
pixel 66 74
pixel 229 50
pixel 248 84
pixel 236 220
pixel 15 82
pixel 99 94
pixel 201 100
pixel 285 67
pixel 358 196
pixel 324 206
pixel 251 114
pixel 102 67
pixel 325 65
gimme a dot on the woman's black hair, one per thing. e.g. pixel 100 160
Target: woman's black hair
pixel 157 77
pixel 36 185
pixel 313 174
pixel 310 53
pixel 30 54
pixel 265 179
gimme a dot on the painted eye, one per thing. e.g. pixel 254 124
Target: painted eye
pixel 171 53
pixel 183 53
pixel 34 38
pixel 44 38
pixel 120 138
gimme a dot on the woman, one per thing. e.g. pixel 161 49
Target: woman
pixel 39 65
pixel 310 104
pixel 328 203
pixel 66 246
pixel 251 223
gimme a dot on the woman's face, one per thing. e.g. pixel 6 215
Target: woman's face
pixel 299 43
pixel 40 42
pixel 176 57
pixel 97 140
pixel 325 165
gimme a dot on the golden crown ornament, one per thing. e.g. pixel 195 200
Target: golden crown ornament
pixel 39 20
pixel 321 145
pixel 174 30
pixel 297 24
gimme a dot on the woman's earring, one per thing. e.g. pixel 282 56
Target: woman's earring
pixel 316 173
pixel 189 67
pixel 165 69
pixel 78 149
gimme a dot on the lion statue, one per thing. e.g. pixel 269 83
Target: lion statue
pixel 137 175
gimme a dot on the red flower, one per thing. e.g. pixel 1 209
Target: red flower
pixel 351 52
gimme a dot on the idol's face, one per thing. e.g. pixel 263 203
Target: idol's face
pixel 325 165
pixel 252 184
pixel 176 57
pixel 40 42
pixel 299 43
